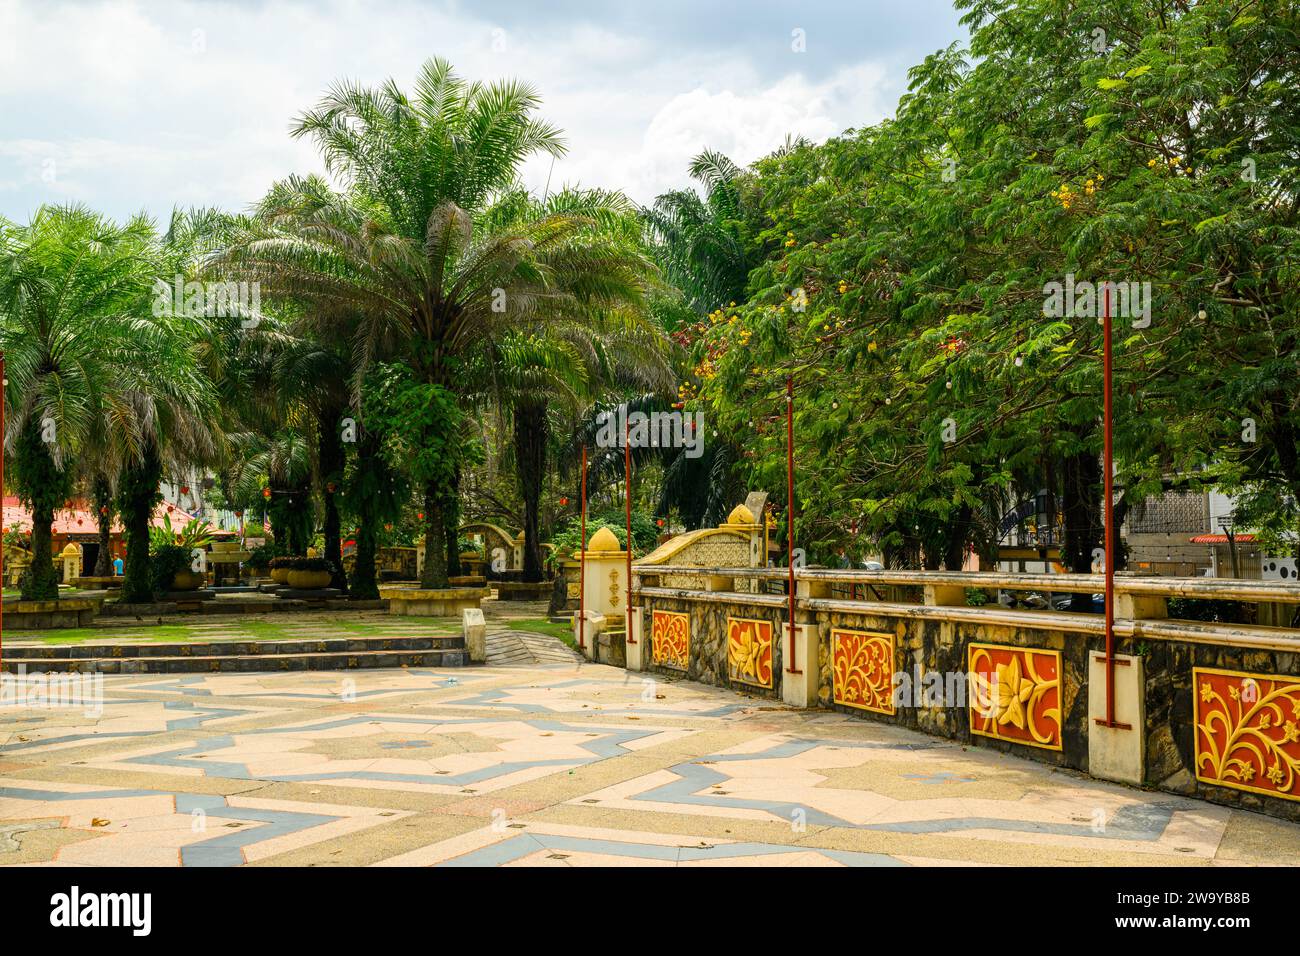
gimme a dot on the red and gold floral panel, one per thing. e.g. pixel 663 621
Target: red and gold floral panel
pixel 862 669
pixel 1248 731
pixel 670 639
pixel 1014 694
pixel 749 651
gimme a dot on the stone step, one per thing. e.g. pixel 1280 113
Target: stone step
pixel 340 660
pixel 235 647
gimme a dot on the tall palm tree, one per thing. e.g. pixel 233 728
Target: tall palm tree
pixel 415 248
pixel 571 360
pixel 80 346
pixel 697 239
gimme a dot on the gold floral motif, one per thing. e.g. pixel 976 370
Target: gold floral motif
pixel 749 651
pixel 670 639
pixel 1015 694
pixel 862 670
pixel 1246 732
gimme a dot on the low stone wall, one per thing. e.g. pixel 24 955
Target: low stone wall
pixel 48 615
pixel 1024 688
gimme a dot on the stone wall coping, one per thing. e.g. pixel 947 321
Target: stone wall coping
pixel 63 604
pixel 1255 637
pixel 1125 583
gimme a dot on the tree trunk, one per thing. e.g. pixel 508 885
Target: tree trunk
pixel 41 582
pixel 452 522
pixel 102 498
pixel 1081 481
pixel 331 458
pixel 530 469
pixel 365 506
pixel 137 496
pixel 435 538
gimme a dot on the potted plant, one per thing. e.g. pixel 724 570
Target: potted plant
pixel 260 558
pixel 310 574
pixel 279 568
pixel 171 571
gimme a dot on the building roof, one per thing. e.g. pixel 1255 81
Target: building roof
pixel 79 519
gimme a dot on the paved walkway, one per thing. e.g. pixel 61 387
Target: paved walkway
pixel 551 765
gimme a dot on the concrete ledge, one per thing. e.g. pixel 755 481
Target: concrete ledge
pixel 431 602
pixel 523 591
pixel 47 615
pixel 92 583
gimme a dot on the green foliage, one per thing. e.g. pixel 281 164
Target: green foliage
pixel 165 561
pixel 196 533
pixel 259 558
pixel 568 539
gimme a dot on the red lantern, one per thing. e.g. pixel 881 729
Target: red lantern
pixel 239 514
pixel 266 493
pixel 564 501
pixel 104 510
pixel 659 522
pixel 170 509
pixel 185 489
pixel 420 516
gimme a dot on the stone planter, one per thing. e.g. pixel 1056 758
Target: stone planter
pixel 187 581
pixel 280 575
pixel 308 580
pixel 431 602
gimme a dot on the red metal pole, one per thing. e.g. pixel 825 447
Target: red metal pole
pixel 789 515
pixel 1108 463
pixel 627 488
pixel 582 557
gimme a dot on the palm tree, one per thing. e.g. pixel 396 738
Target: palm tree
pixel 416 250
pixel 569 360
pixel 697 240
pixel 79 346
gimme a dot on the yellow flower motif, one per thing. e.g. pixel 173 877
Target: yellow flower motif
pixel 1234 693
pixel 1248 773
pixel 1206 692
pixel 1265 721
pixel 1275 774
pixel 1013 691
pixel 1290 732
pixel 1151 163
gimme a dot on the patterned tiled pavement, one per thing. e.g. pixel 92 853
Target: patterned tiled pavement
pixel 551 765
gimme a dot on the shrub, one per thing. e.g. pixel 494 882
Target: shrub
pixel 167 559
pixel 260 558
pixel 309 564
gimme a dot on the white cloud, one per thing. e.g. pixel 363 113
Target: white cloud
pixel 149 106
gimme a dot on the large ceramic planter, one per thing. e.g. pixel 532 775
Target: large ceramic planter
pixel 309 580
pixel 280 575
pixel 187 581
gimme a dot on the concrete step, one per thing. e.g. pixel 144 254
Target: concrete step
pixel 235 663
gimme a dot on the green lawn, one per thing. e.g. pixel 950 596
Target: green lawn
pixel 238 629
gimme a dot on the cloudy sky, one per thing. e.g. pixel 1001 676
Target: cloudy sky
pixel 140 106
